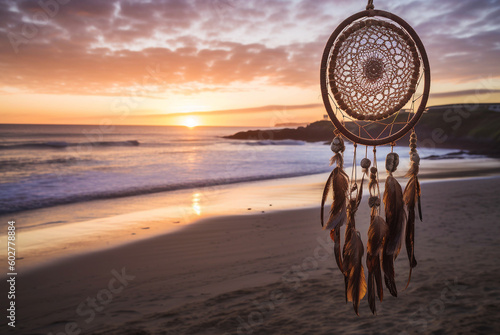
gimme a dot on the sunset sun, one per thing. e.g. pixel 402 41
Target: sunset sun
pixel 190 121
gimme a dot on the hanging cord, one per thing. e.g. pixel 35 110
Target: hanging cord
pixel 370 5
pixel 375 165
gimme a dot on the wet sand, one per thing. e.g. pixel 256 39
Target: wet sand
pixel 57 233
pixel 273 273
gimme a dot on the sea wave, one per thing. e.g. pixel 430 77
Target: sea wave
pixel 275 142
pixel 64 144
pixel 20 163
pixel 7 207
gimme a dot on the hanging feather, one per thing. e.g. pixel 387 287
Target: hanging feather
pixel 350 230
pixel 326 190
pixel 353 270
pixel 395 217
pixel 412 199
pixel 338 210
pixel 354 275
pixel 335 236
pixel 338 181
pixel 376 237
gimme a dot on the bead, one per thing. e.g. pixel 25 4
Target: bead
pixel 365 163
pixel 374 201
pixel 373 170
pixel 337 145
pixel 392 162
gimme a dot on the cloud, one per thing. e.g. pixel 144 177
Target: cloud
pixel 463 93
pixel 108 47
pixel 262 109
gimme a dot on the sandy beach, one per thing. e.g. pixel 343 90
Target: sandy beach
pixel 163 167
pixel 274 273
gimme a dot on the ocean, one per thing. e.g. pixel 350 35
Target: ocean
pixel 73 189
pixel 48 165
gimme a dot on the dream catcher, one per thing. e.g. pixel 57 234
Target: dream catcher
pixel 375 81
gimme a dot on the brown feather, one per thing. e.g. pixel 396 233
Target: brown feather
pixel 335 236
pixel 376 236
pixel 395 218
pixel 326 190
pixel 371 291
pixel 354 272
pixel 354 277
pixel 378 280
pixel 411 197
pixel 349 231
pixel 340 186
pixel 418 199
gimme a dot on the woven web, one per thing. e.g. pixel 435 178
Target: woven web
pixel 374 71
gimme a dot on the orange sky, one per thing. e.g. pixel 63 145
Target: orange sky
pixel 214 62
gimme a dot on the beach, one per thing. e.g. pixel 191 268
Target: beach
pixel 273 273
pixel 163 167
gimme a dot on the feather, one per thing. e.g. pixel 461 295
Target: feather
pixel 354 276
pixel 349 232
pixel 371 290
pixel 335 236
pixel 376 236
pixel 395 218
pixel 354 272
pixel 340 185
pixel 418 198
pixel 326 190
pixel 411 196
pixel 410 199
pixel 378 280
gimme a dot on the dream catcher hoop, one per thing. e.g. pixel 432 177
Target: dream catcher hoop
pixel 371 68
pixel 374 65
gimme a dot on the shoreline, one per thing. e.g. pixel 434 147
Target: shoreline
pixel 209 276
pixel 150 218
pixel 215 183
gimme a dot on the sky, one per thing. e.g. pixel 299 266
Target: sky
pixel 215 62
